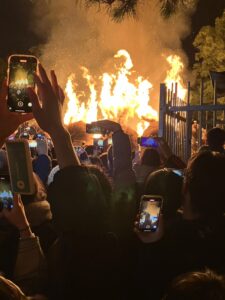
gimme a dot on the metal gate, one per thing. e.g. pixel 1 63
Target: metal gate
pixel 182 124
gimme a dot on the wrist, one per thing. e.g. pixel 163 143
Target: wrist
pixel 59 132
pixel 26 232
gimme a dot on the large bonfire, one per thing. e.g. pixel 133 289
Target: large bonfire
pixel 123 96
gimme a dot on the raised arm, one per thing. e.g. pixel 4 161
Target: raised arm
pixel 47 110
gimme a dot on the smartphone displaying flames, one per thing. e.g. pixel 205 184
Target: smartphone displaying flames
pixel 150 209
pixel 21 69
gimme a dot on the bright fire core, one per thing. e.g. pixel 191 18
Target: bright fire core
pixel 123 96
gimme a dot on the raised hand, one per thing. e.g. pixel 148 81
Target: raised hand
pixel 47 107
pixel 17 217
pixel 47 110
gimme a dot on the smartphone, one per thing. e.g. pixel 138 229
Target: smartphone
pixel 6 195
pixel 21 69
pixel 94 129
pixel 150 208
pixel 178 172
pixel 20 167
pixel 32 144
pixel 40 136
pixel 148 142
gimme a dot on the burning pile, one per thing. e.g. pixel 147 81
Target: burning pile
pixel 123 96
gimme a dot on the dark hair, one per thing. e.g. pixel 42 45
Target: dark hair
pixel 151 158
pixel 104 182
pixel 205 178
pixel 168 185
pixel 95 160
pixel 216 139
pixel 197 286
pixel 89 149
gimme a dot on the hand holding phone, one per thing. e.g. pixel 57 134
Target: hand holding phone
pixel 17 217
pixel 148 142
pixel 149 237
pixel 106 126
pixel 150 209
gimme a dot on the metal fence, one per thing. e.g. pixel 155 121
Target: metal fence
pixel 184 125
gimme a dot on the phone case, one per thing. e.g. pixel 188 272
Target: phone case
pixel 20 167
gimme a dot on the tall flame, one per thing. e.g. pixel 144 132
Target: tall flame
pixel 121 98
pixel 173 75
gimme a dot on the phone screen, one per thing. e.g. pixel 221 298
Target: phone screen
pixel 150 208
pixel 94 129
pixel 20 77
pixel 148 142
pixel 33 144
pixel 6 195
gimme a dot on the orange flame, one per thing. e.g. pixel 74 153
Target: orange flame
pixel 120 98
pixel 173 75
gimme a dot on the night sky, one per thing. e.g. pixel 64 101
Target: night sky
pixel 17 35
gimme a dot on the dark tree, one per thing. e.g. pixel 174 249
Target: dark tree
pixel 118 9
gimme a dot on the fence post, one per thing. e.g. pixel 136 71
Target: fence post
pixel 162 110
pixel 188 132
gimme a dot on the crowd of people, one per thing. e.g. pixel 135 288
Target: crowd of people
pixel 78 236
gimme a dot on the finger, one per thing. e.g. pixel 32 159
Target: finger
pixel 54 82
pixel 35 102
pixel 16 200
pixel 61 95
pixel 43 75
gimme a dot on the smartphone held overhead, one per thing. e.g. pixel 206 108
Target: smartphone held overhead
pixel 148 142
pixel 21 69
pixel 94 129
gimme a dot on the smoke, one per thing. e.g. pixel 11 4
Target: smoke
pixel 78 36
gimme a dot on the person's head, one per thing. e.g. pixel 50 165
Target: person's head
pixel 95 160
pixel 150 158
pixel 10 291
pixel 89 149
pixel 104 182
pixel 197 286
pixel 216 139
pixel 167 184
pixel 80 207
pixel 204 183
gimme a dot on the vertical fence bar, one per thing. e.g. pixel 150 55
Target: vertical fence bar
pixel 214 103
pixel 200 114
pixel 188 132
pixel 162 109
